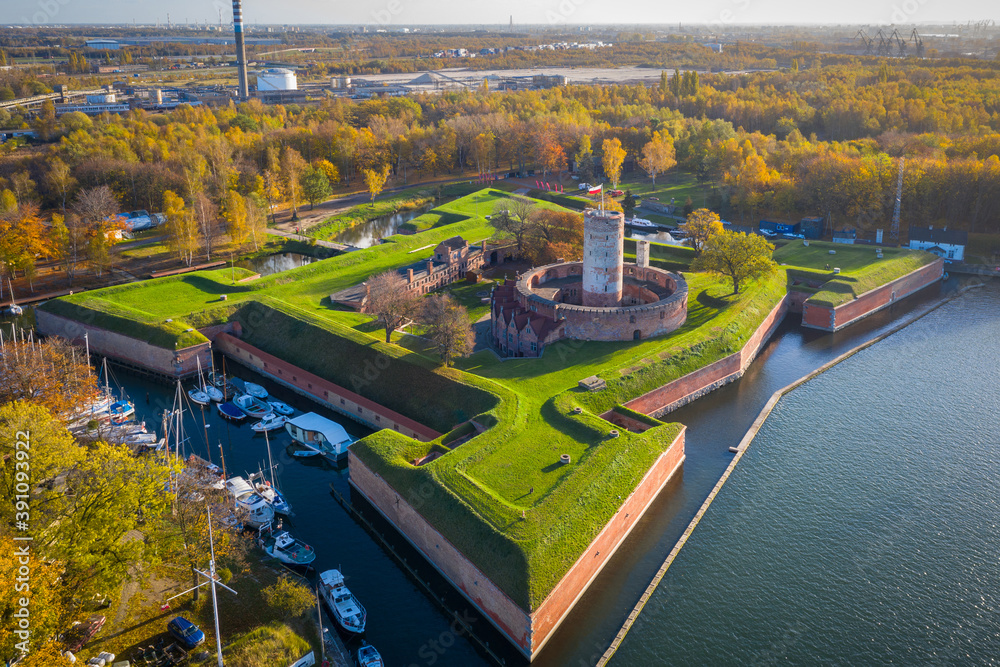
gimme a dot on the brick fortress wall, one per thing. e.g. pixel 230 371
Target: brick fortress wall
pixel 833 319
pixel 528 632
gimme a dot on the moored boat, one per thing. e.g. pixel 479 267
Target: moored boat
pixel 255 390
pixel 270 422
pixel 346 609
pixel 281 408
pixel 121 411
pixel 252 407
pixel 230 411
pixel 273 497
pixel 255 511
pixel 282 546
pixel 198 396
pixel 318 435
pixel 369 657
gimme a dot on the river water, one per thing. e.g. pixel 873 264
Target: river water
pixel 860 528
pixel 410 629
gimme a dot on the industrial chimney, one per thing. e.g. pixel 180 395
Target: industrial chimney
pixel 241 52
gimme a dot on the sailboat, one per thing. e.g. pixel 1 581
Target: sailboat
pixel 120 410
pixel 217 394
pixel 201 394
pixel 268 490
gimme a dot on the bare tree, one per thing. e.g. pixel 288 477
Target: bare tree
pixel 513 217
pixel 208 221
pixel 95 205
pixel 390 301
pixel 448 326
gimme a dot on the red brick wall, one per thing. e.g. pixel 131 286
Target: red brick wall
pixel 832 319
pixel 527 632
pixel 546 619
pixel 689 387
pixel 504 613
pixel 180 363
pixel 323 391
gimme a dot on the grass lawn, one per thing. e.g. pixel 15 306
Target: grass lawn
pixel 469 295
pixel 678 185
pixel 501 497
pixel 860 270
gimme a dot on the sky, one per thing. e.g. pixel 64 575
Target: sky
pixel 390 13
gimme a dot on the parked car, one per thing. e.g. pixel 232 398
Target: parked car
pixel 187 633
pixel 615 193
pixel 583 186
pixel 79 633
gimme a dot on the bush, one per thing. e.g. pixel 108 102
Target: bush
pixel 289 597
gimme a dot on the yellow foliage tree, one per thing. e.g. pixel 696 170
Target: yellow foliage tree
pixel 375 180
pixel 612 160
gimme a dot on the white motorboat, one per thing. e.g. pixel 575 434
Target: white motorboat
pixel 369 657
pixel 318 435
pixel 256 511
pixel 284 547
pixel 255 390
pixel 281 408
pixel 642 222
pixel 346 609
pixel 252 407
pixel 270 422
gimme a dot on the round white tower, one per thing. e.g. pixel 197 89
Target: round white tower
pixel 603 248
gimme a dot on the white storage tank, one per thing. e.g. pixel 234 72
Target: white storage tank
pixel 276 79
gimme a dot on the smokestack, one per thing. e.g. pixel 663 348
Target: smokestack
pixel 241 52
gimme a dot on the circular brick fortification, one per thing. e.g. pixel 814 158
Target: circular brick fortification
pixel 654 302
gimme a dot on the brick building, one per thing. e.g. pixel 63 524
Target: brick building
pixel 600 298
pixel 452 259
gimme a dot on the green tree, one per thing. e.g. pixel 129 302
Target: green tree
pixel 585 159
pixel 289 597
pixel 315 186
pixel 448 326
pixel 700 226
pixel 737 256
pixel 628 204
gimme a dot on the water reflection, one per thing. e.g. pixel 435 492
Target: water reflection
pixel 277 263
pixel 372 232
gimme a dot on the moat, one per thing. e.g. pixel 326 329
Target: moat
pixel 411 620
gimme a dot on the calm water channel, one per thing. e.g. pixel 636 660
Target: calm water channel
pixel 861 526
pixel 410 629
pixel 372 232
pixel 278 262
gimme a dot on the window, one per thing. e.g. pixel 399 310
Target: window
pixel 533 347
pixel 631 319
pixel 663 315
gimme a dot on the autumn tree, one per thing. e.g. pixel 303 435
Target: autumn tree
pixel 658 155
pixel 182 227
pixel 612 160
pixel 292 168
pixel 23 187
pixel 22 238
pixel 448 326
pixel 315 185
pixel 256 221
pixel 289 597
pixel 390 300
pixel 375 180
pixel 235 214
pixel 737 256
pixel 51 373
pixel 60 179
pixel 700 226
pixel 554 235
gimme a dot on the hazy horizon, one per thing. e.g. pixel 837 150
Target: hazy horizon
pixel 571 13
